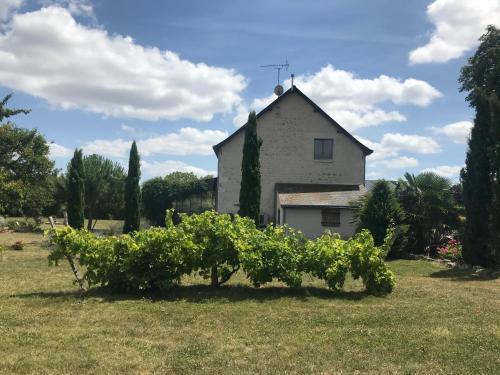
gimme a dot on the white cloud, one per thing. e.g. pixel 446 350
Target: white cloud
pixel 413 143
pixel 116 148
pixel 188 141
pixel 126 128
pixel 58 151
pixel 7 7
pixel 457 132
pixel 458 25
pixel 354 102
pixel 399 163
pixel 392 144
pixel 445 171
pixel 380 152
pixel 46 53
pixel 75 7
pixel 162 168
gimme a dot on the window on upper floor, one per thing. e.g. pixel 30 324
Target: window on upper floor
pixel 323 149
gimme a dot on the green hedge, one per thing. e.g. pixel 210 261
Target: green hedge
pixel 216 246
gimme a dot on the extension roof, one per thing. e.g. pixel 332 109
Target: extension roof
pixel 295 90
pixel 321 199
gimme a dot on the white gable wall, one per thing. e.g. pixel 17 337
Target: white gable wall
pixel 287 155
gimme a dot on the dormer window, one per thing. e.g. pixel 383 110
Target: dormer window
pixel 323 149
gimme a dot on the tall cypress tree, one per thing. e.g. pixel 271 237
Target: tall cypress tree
pixel 132 192
pixel 480 78
pixel 250 171
pixel 76 200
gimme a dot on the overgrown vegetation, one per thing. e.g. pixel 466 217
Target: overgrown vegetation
pixel 215 246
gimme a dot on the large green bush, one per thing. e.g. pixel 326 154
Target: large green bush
pixel 275 253
pixel 216 246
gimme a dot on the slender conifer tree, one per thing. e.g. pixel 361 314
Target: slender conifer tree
pixel 133 192
pixel 76 200
pixel 250 171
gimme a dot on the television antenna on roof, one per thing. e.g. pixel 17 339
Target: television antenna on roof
pixel 278 90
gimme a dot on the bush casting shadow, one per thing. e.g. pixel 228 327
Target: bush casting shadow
pixel 466 275
pixel 205 294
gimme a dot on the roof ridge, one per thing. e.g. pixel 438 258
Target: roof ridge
pixel 295 89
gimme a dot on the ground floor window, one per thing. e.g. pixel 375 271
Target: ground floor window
pixel 330 217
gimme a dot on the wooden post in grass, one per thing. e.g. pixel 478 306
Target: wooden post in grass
pixel 71 262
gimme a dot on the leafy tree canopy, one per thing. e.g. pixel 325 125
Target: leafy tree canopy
pixel 24 167
pixel 104 188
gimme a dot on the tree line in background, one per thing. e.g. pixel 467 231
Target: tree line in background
pixel 426 208
pixel 92 187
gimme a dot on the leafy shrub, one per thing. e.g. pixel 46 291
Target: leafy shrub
pixel 215 246
pixel 217 239
pixel 18 245
pixel 3 222
pixel 367 262
pixel 451 251
pixel 275 253
pixel 327 259
pixel 25 225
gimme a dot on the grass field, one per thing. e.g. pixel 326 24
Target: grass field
pixel 436 321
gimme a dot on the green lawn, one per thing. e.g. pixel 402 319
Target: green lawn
pixel 436 321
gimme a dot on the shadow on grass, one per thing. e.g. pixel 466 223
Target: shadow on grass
pixel 466 275
pixel 207 294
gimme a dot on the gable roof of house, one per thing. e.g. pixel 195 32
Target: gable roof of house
pixel 288 92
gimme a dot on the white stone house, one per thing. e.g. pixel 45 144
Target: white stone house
pixel 311 167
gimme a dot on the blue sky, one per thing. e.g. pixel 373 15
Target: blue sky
pixel 179 76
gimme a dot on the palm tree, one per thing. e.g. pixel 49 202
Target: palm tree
pixel 430 209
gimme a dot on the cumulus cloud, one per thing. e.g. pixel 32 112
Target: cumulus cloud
pixel 48 54
pixel 413 143
pixel 7 7
pixel 76 7
pixel 399 163
pixel 162 168
pixel 355 102
pixel 392 144
pixel 187 141
pixel 457 26
pixel 59 151
pixel 457 132
pixel 445 170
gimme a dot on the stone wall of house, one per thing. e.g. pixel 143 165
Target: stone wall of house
pixel 287 155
